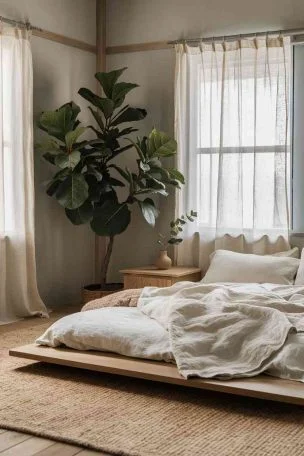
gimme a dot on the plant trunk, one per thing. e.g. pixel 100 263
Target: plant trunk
pixel 106 262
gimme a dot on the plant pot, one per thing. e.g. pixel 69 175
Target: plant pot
pixel 94 291
pixel 163 261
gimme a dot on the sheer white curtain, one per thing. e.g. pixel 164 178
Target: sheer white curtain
pixel 231 122
pixel 18 289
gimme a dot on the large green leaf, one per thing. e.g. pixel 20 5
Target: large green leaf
pixel 72 136
pixel 116 182
pixel 127 131
pixel 151 191
pixel 120 90
pixel 58 123
pixel 52 187
pixel 97 117
pixel 74 108
pixel 149 211
pixel 160 144
pixel 155 183
pixel 92 170
pixel 130 115
pixel 110 219
pixel 49 158
pixel 81 215
pixel 95 188
pixel 108 80
pixel 68 160
pixel 138 148
pixel 48 145
pixel 177 175
pixel 50 149
pixel 104 104
pixel 73 191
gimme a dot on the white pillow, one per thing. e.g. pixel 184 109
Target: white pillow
pixel 292 253
pixel 227 266
pixel 300 274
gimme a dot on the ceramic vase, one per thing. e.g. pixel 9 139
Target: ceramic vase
pixel 163 261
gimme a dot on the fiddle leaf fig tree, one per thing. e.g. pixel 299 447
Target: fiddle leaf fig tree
pixel 88 173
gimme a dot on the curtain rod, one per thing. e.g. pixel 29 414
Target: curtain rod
pixel 298 31
pixel 20 24
pixel 56 37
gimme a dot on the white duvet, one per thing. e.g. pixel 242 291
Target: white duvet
pixel 209 330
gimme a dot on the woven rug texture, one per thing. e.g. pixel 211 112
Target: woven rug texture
pixel 124 416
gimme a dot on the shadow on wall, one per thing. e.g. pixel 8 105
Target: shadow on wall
pixel 64 253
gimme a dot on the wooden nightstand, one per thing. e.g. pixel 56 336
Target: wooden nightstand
pixel 150 276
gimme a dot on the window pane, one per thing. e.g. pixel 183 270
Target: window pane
pixel 249 193
pixel 240 113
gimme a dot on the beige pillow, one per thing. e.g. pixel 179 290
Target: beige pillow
pixel 227 266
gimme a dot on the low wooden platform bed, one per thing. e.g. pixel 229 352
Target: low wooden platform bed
pixel 239 331
pixel 261 387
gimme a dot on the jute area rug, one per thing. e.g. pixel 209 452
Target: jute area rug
pixel 123 416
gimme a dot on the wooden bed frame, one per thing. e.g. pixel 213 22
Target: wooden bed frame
pixel 262 386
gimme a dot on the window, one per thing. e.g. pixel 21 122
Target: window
pixel 298 139
pixel 248 138
pixel 232 128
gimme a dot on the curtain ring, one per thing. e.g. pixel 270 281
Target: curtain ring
pixel 224 42
pixel 267 38
pixel 213 43
pixel 255 40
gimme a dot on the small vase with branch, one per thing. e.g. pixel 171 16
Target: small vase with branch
pixel 172 238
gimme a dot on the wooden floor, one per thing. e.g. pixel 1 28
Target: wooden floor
pixel 18 444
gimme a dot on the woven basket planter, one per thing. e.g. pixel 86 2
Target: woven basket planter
pixel 91 292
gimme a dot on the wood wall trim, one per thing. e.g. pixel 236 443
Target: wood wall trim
pixel 100 242
pixel 101 31
pixel 62 39
pixel 139 47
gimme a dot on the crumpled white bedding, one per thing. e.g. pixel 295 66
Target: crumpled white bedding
pixel 209 330
pixel 227 330
pixel 123 330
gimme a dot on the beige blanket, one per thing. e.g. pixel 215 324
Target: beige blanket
pixel 125 298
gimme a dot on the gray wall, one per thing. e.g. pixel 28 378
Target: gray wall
pixel 136 21
pixel 65 254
